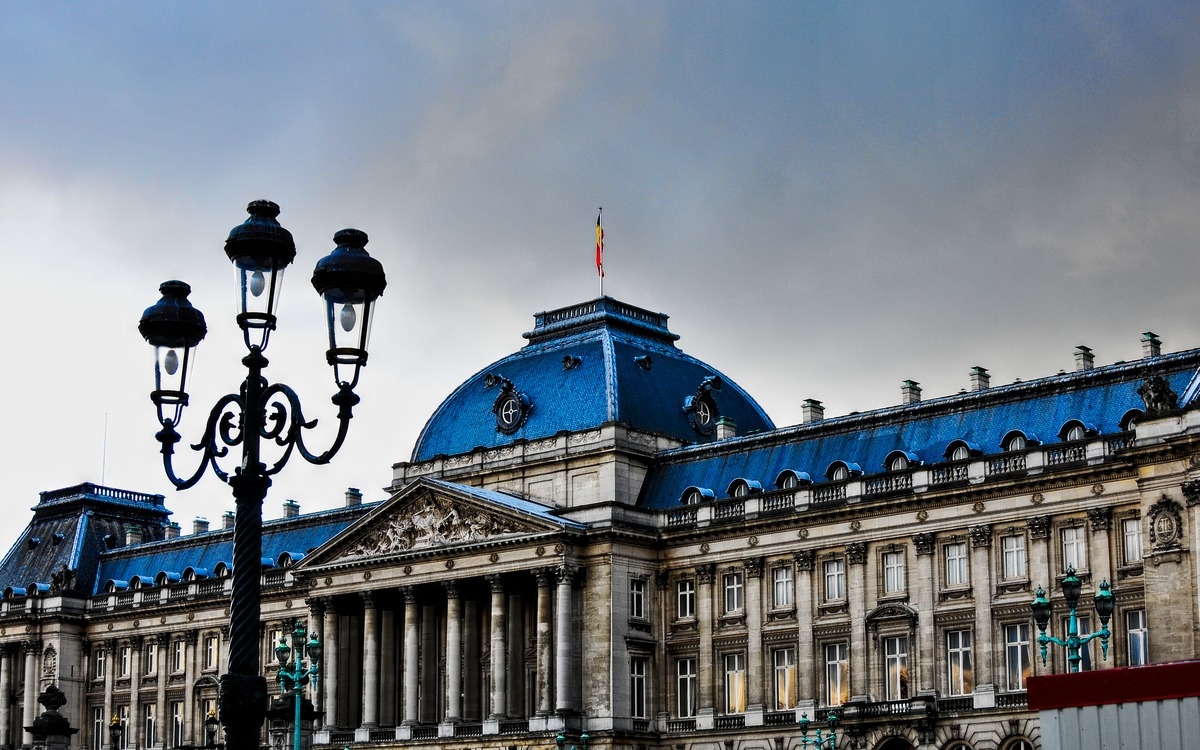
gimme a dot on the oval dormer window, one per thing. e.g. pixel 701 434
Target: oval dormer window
pixel 1015 443
pixel 960 453
pixel 790 482
pixel 899 463
pixel 839 474
pixel 1076 433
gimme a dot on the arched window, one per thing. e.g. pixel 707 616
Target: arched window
pixel 961 450
pixel 1076 433
pixel 695 495
pixel 839 473
pixel 898 463
pixel 789 479
pixel 960 453
pixel 1015 443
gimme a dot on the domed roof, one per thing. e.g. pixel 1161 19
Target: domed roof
pixel 584 366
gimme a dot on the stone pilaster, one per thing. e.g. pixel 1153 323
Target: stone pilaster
pixel 370 661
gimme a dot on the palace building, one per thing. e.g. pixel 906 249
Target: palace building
pixel 602 538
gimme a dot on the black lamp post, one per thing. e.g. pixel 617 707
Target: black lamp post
pixel 349 280
pixel 821 740
pixel 1071 588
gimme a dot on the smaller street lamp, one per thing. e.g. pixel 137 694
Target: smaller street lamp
pixel 293 675
pixel 561 739
pixel 211 725
pixel 821 740
pixel 116 730
pixel 1071 588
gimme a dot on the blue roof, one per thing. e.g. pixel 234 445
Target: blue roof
pixel 1099 398
pixel 585 366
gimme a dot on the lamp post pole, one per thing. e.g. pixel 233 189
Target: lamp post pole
pixel 1071 587
pixel 293 675
pixel 821 740
pixel 349 280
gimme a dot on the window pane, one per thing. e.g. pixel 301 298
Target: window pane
pixel 1139 644
pixel 893 572
pixel 735 683
pixel 835 580
pixel 685 687
pixel 637 598
pixel 1013 548
pixel 837 674
pixel 1131 529
pixel 783 587
pixel 896 667
pixel 1074 549
pixel 958 657
pixel 637 688
pixel 785 678
pixel 956 564
pixel 1016 655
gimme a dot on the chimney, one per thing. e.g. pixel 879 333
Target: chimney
pixel 726 428
pixel 980 380
pixel 227 519
pixel 200 525
pixel 1151 344
pixel 812 411
pixel 133 535
pixel 291 508
pixel 910 392
pixel 171 531
pixel 353 497
pixel 1084 359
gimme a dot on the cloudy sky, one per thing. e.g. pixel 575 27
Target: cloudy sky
pixel 828 198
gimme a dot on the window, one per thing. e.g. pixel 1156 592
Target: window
pixel 124 664
pixel 790 482
pixel 150 723
pixel 958 662
pixel 210 652
pixel 99 729
pixel 956 564
pixel 685 607
pixel 151 658
pixel 960 453
pixel 895 663
pixel 1131 536
pixel 893 572
pixel 274 636
pixel 1013 550
pixel 638 668
pixel 99 663
pixel 839 474
pixel 733 592
pixel 685 690
pixel 1016 655
pixel 781 579
pixel 176 724
pixel 735 683
pixel 899 463
pixel 837 673
pixel 637 598
pixel 741 489
pixel 1136 636
pixel 1074 548
pixel 1015 443
pixel 1084 623
pixel 691 497
pixel 1075 433
pixel 177 656
pixel 785 678
pixel 835 580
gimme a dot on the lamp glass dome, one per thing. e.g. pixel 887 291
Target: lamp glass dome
pixel 260 250
pixel 349 281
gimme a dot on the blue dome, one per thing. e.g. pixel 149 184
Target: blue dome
pixel 587 365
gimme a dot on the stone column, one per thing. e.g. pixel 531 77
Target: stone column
pixel 6 694
pixel 499 650
pixel 333 717
pixel 453 653
pixel 809 664
pixel 190 639
pixel 921 590
pixel 755 692
pixel 564 647
pixel 29 707
pixel 412 636
pixel 545 611
pixel 704 621
pixel 110 658
pixel 370 665
pixel 861 653
pixel 662 673
pixel 429 670
pixel 387 667
pixel 135 698
pixel 163 646
pixel 981 592
pixel 471 685
pixel 516 653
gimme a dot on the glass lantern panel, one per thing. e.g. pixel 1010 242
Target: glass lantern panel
pixel 259 286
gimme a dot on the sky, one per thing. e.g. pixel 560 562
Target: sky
pixel 828 198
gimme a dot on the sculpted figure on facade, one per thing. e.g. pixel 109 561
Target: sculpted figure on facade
pixel 434 520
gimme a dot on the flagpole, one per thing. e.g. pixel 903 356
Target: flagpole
pixel 600 248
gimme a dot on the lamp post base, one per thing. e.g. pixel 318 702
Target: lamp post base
pixel 242 708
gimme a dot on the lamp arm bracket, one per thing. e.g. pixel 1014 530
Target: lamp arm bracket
pixel 286 425
pixel 222 431
pixel 1093 636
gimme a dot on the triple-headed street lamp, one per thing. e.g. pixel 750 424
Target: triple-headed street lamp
pixel 349 280
pixel 293 675
pixel 1071 588
pixel 821 740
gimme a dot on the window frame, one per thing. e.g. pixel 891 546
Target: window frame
pixel 834 569
pixel 1020 647
pixel 734 587
pixel 894 567
pixel 637 598
pixel 685 599
pixel 736 684
pixel 836 659
pixel 1132 634
pixel 1073 547
pixel 961 565
pixel 1129 540
pixel 1019 570
pixel 784 671
pixel 639 687
pixel 960 667
pixel 685 687
pixel 896 686
pixel 783 579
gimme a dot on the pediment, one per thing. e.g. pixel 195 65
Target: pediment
pixel 428 516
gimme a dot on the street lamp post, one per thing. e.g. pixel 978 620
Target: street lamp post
pixel 293 675
pixel 349 280
pixel 1071 588
pixel 821 740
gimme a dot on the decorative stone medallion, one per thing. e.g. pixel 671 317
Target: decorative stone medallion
pixel 1166 524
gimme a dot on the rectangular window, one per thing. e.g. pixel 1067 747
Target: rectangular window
pixel 1084 623
pixel 893 572
pixel 176 724
pixel 210 652
pixel 895 656
pixel 1131 534
pixel 1074 548
pixel 785 678
pixel 1013 550
pixel 1016 655
pixel 1137 637
pixel 124 664
pixel 99 729
pixel 958 662
pixel 781 577
pixel 685 688
pixel 638 668
pixel 273 637
pixel 99 663
pixel 956 564
pixel 837 673
pixel 151 658
pixel 637 598
pixel 733 592
pixel 150 724
pixel 177 656
pixel 835 580
pixel 685 607
pixel 735 683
